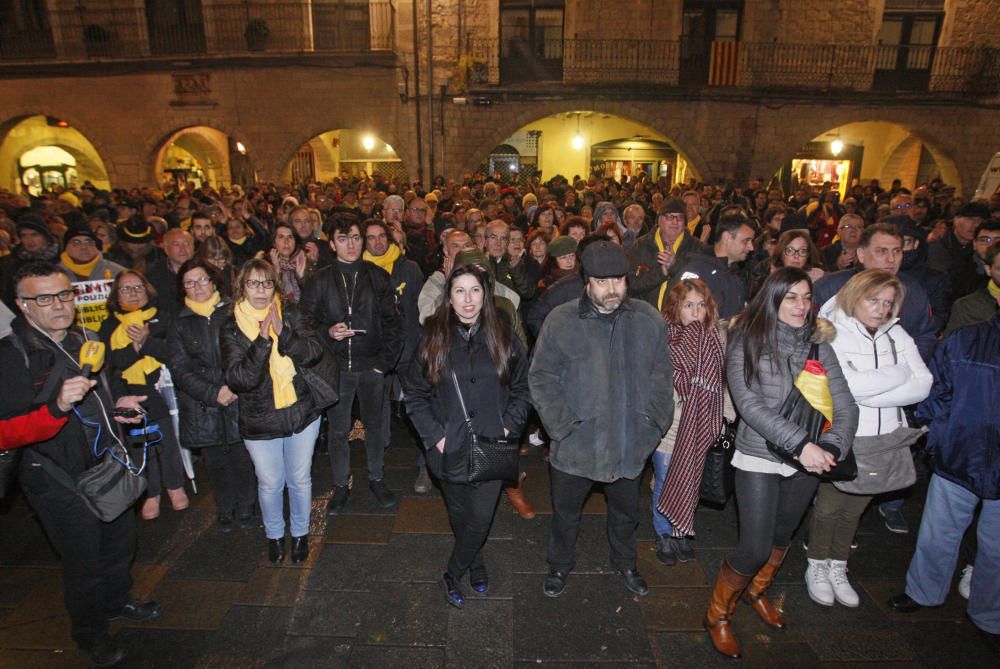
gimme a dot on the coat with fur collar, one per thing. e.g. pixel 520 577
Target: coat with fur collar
pixel 758 405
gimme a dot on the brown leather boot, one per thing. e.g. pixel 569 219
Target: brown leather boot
pixel 728 586
pixel 516 496
pixel 754 595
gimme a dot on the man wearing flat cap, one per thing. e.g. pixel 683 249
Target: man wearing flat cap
pixel 602 382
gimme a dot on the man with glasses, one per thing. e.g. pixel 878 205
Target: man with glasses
pixel 351 302
pixel 843 253
pixel 658 254
pixel 421 242
pixel 955 253
pixel 509 271
pixel 38 359
pixel 91 273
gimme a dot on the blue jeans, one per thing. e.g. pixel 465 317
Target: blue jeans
pixel 661 463
pixel 285 461
pixel 948 512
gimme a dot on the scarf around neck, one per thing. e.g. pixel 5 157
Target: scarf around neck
pixel 82 270
pixel 136 373
pixel 280 367
pixel 387 260
pixel 206 308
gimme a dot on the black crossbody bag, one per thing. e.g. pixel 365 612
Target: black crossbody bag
pixel 490 458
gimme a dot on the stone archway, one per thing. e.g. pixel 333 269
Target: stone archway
pixel 892 147
pixel 21 134
pixel 487 127
pixel 347 150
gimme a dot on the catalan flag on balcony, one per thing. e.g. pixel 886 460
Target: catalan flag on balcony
pixel 724 67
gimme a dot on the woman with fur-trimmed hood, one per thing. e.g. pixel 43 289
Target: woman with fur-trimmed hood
pixel 769 343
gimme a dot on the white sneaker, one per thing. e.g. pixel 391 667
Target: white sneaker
pixel 535 438
pixel 966 582
pixel 842 590
pixel 818 582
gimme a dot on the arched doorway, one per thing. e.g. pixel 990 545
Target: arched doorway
pixel 866 150
pixel 346 152
pixel 586 143
pixel 39 152
pixel 203 156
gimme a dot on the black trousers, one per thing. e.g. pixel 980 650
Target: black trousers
pixel 470 512
pixel 770 507
pixel 569 493
pixel 164 467
pixel 370 389
pixel 96 556
pixel 231 472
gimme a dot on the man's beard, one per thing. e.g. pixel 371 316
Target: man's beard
pixel 47 252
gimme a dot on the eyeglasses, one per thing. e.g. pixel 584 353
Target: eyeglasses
pixel 137 288
pixel 259 283
pixel 503 238
pixel 905 205
pixel 988 240
pixel 417 210
pixel 47 299
pixel 203 281
pixel 82 241
pixel 802 253
pixel 850 226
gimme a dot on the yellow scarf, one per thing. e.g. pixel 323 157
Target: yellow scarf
pixel 386 260
pixel 693 223
pixel 993 288
pixel 136 374
pixel 281 367
pixel 238 242
pixel 83 270
pixel 659 245
pixel 205 308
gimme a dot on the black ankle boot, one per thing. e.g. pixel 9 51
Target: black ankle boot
pixel 276 550
pixel 300 549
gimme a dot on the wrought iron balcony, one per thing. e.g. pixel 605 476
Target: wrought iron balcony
pixel 961 71
pixel 193 28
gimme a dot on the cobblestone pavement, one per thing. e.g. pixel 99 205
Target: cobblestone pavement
pixel 367 596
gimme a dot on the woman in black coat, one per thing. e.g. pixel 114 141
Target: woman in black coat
pixel 135 334
pixel 265 346
pixel 209 410
pixel 468 344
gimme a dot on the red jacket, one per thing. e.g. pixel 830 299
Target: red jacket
pixel 36 425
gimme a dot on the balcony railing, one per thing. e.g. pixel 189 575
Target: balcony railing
pixel 86 32
pixel 973 71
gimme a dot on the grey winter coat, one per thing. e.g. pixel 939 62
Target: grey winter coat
pixel 759 404
pixel 603 387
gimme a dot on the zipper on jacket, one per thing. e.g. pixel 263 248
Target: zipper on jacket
pixel 350 313
pixel 879 409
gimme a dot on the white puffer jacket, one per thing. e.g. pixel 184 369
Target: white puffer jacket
pixel 881 382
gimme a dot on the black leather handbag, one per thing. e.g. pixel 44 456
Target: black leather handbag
pixel 489 458
pixel 718 478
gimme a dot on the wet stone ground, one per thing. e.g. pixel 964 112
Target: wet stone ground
pixel 368 597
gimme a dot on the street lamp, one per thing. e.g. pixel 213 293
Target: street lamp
pixel 578 140
pixel 836 146
pixel 368 142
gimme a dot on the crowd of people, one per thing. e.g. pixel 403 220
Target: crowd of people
pixel 613 324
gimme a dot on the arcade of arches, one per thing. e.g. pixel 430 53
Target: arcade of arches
pixel 38 151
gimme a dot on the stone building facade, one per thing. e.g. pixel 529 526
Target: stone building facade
pixel 794 71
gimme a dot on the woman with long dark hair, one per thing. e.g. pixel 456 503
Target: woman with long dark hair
pixel 769 343
pixel 468 348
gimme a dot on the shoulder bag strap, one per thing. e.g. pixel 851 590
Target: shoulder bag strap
pixel 54 470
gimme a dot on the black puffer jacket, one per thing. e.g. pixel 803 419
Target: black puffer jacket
pixel 196 365
pixel 119 360
pixel 248 375
pixel 436 411
pixel 369 305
